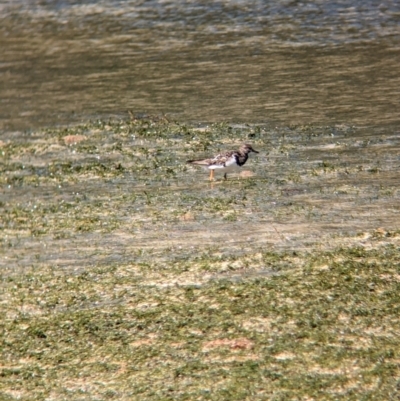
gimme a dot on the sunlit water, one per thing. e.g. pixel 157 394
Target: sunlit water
pixel 282 63
pixel 123 195
pixel 286 62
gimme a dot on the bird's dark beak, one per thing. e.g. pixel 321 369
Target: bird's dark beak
pixel 254 150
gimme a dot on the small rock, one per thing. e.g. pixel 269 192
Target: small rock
pixel 246 174
pixel 380 232
pixel 188 216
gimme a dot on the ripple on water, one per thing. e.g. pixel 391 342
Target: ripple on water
pixel 320 62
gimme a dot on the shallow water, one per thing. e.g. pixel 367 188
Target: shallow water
pixel 124 194
pixel 321 79
pixel 281 62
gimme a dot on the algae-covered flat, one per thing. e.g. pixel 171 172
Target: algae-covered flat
pixel 125 277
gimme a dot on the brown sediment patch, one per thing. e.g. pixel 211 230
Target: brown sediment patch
pixel 233 344
pixel 73 139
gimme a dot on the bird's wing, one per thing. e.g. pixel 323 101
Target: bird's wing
pixel 223 158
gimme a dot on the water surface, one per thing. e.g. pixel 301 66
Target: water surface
pixel 314 86
pixel 283 62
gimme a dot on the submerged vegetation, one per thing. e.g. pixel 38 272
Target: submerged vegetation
pixel 126 275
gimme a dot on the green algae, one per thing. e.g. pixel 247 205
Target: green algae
pixel 127 275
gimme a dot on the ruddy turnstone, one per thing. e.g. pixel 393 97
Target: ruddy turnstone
pixel 226 161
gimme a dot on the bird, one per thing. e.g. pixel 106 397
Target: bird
pixel 227 161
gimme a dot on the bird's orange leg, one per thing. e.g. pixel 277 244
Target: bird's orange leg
pixel 211 174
